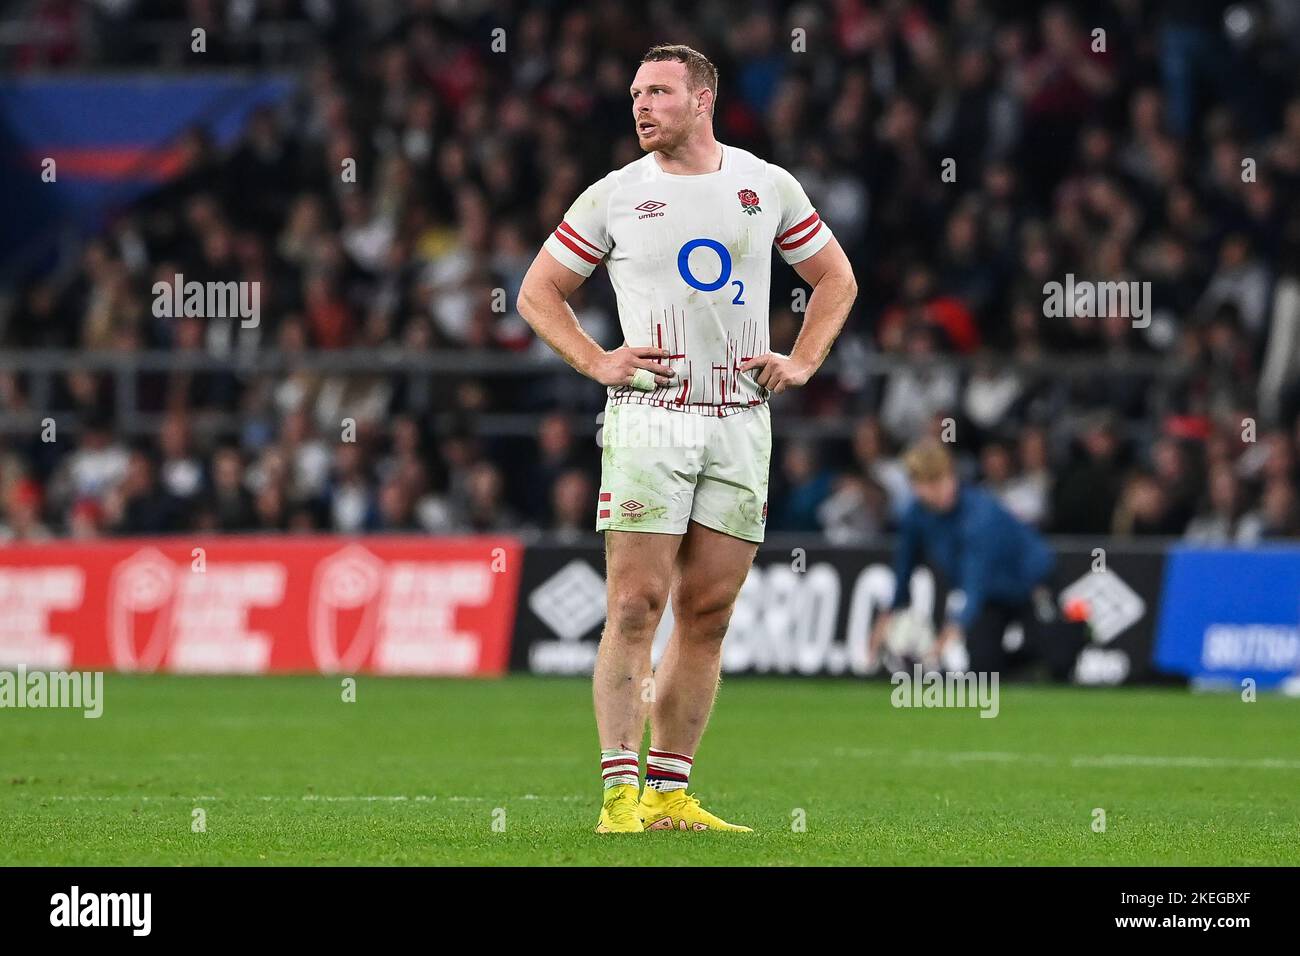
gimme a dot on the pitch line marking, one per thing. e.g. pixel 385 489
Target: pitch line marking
pixel 309 797
pixel 1079 760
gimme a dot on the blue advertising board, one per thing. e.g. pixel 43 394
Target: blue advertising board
pixel 1226 615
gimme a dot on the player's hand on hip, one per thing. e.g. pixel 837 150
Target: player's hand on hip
pixel 777 372
pixel 635 366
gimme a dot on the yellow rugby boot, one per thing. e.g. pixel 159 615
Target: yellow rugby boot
pixel 618 813
pixel 679 810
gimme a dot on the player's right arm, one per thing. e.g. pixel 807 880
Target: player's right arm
pixel 543 302
pixel 570 255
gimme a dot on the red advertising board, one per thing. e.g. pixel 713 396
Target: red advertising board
pixel 251 605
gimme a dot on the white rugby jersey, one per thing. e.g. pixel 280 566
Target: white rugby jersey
pixel 689 258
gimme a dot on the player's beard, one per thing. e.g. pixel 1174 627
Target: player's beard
pixel 666 139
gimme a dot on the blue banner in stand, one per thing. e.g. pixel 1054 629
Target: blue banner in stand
pixel 1229 615
pixel 75 149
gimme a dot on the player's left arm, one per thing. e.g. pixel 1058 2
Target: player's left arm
pixel 834 289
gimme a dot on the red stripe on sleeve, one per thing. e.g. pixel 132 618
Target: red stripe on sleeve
pixel 565 227
pixel 799 242
pixel 793 229
pixel 574 248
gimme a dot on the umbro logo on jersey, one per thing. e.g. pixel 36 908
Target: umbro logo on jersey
pixel 631 505
pixel 650 208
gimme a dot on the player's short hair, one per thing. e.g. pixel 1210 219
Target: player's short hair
pixel 700 71
pixel 928 460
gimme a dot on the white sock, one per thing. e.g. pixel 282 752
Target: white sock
pixel 618 767
pixel 665 770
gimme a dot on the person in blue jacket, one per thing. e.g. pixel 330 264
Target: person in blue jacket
pixel 1003 567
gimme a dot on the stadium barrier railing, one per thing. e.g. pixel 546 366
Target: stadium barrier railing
pixel 427 376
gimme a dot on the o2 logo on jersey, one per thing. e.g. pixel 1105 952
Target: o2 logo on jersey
pixel 724 258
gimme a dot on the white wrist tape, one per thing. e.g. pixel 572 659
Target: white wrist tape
pixel 644 380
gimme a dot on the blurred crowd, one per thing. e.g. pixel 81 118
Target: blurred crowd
pixel 965 153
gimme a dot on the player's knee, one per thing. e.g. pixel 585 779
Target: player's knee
pixel 635 613
pixel 704 616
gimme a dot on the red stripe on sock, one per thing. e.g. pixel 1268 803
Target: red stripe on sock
pixel 666 775
pixel 671 756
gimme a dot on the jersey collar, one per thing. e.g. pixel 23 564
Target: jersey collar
pixel 726 164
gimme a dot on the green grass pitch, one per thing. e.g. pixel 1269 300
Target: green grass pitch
pixel 419 771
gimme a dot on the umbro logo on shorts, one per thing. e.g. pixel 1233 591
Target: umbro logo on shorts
pixel 630 508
